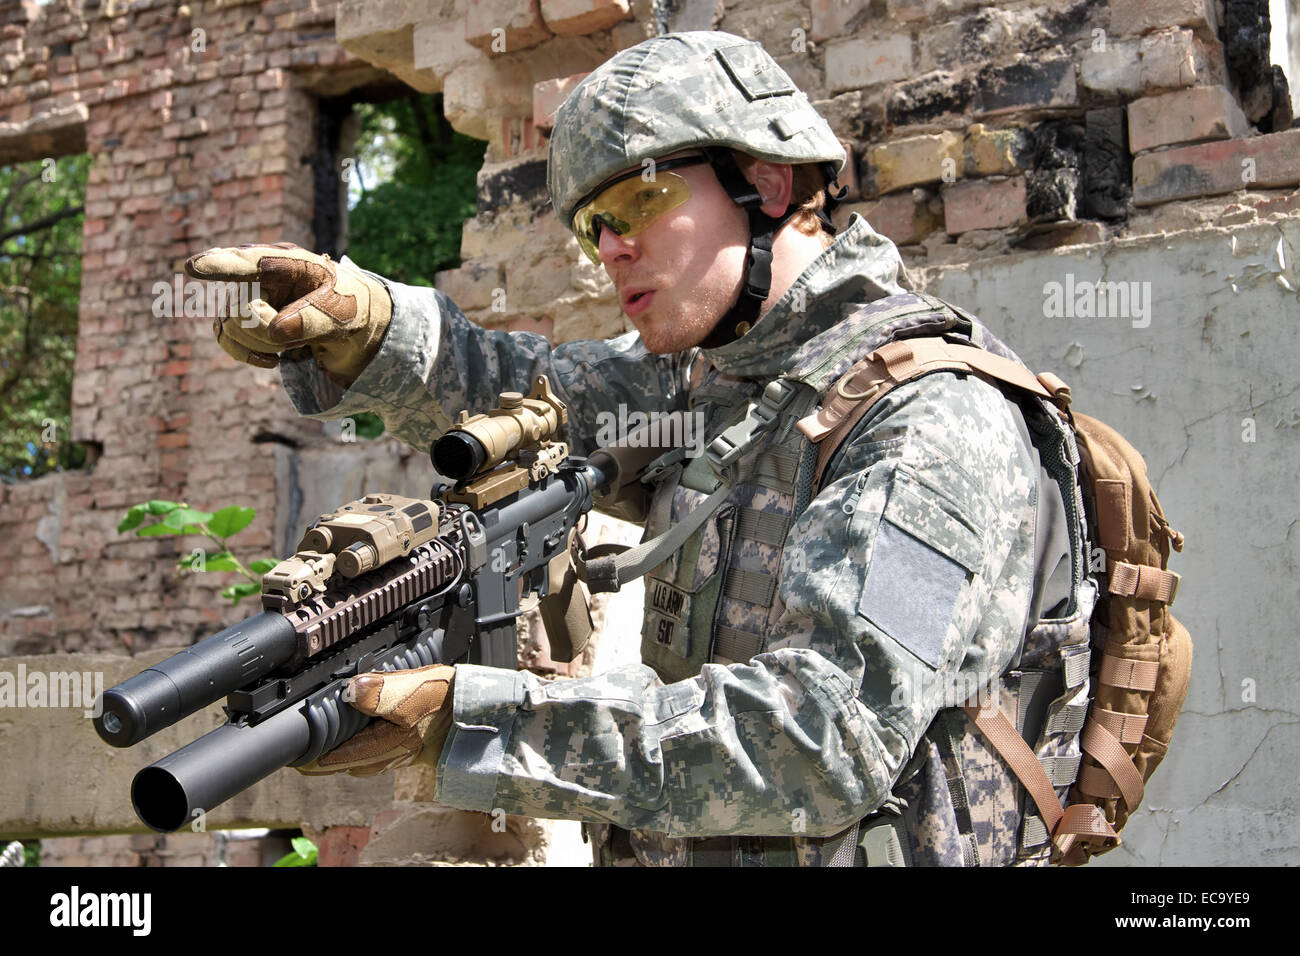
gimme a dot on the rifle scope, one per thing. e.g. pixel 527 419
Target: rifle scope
pixel 482 441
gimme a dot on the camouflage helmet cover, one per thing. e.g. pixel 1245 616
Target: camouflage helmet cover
pixel 674 92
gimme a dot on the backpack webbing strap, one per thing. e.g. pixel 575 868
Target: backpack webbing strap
pixel 752 587
pixel 1084 822
pixel 1142 581
pixel 611 572
pixel 763 527
pixel 949 742
pixel 1127 673
pixel 1102 746
pixel 1126 728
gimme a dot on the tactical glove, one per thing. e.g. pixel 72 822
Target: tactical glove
pixel 307 300
pixel 416 709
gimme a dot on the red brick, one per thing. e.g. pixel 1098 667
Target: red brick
pixel 906 217
pixel 580 17
pixel 984 204
pixel 1184 116
pixel 547 97
pixel 1261 162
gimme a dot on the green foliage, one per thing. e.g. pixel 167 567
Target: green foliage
pixel 304 854
pixel 178 518
pixel 368 424
pixel 41 219
pixel 407 226
pixel 231 520
pixel 32 853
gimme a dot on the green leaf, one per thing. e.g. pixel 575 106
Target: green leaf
pixel 221 561
pixel 132 519
pixel 262 565
pixel 237 592
pixel 231 520
pixel 158 507
pixel 304 854
pixel 180 521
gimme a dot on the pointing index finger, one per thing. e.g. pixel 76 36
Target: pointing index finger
pixel 232 263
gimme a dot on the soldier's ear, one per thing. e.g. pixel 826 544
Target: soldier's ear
pixel 775 182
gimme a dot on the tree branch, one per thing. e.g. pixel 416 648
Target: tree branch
pixel 13 189
pixel 422 127
pixel 27 229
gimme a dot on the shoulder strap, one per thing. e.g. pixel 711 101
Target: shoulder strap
pixel 728 455
pixel 901 361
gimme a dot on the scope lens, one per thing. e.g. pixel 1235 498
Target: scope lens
pixel 112 723
pixel 458 455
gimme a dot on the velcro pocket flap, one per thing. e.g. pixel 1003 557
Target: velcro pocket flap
pixel 753 73
pixel 917 510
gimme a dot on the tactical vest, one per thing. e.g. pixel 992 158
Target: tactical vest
pixel 716 599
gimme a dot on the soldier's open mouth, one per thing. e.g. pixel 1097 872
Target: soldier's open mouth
pixel 639 303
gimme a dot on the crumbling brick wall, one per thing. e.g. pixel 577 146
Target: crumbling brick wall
pixel 200 122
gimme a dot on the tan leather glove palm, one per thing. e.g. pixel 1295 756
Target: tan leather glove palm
pixel 307 300
pixel 416 709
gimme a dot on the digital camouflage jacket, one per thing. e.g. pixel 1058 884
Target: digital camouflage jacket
pixel 899 586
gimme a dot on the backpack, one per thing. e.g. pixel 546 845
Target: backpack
pixel 1141 655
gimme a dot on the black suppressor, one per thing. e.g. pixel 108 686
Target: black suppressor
pixel 196 677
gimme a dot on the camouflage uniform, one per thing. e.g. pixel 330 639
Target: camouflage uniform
pixel 908 573
pixel 810 735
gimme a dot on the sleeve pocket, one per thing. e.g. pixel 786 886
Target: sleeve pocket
pixel 922 556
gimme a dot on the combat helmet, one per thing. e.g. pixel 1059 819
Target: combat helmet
pixel 707 90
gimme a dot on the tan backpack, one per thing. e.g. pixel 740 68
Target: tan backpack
pixel 1141 655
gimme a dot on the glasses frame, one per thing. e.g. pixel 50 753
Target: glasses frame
pixel 659 166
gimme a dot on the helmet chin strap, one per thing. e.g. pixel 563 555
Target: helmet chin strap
pixel 762 232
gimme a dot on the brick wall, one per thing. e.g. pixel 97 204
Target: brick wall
pixel 200 122
pixel 974 128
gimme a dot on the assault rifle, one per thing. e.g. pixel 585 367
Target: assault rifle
pixel 383 583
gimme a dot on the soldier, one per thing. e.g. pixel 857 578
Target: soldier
pixel 801 650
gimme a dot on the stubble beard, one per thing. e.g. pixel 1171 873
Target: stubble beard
pixel 690 322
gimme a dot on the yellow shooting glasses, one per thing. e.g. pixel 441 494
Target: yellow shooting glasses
pixel 630 204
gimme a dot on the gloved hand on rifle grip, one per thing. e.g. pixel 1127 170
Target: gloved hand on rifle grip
pixel 415 707
pixel 307 300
